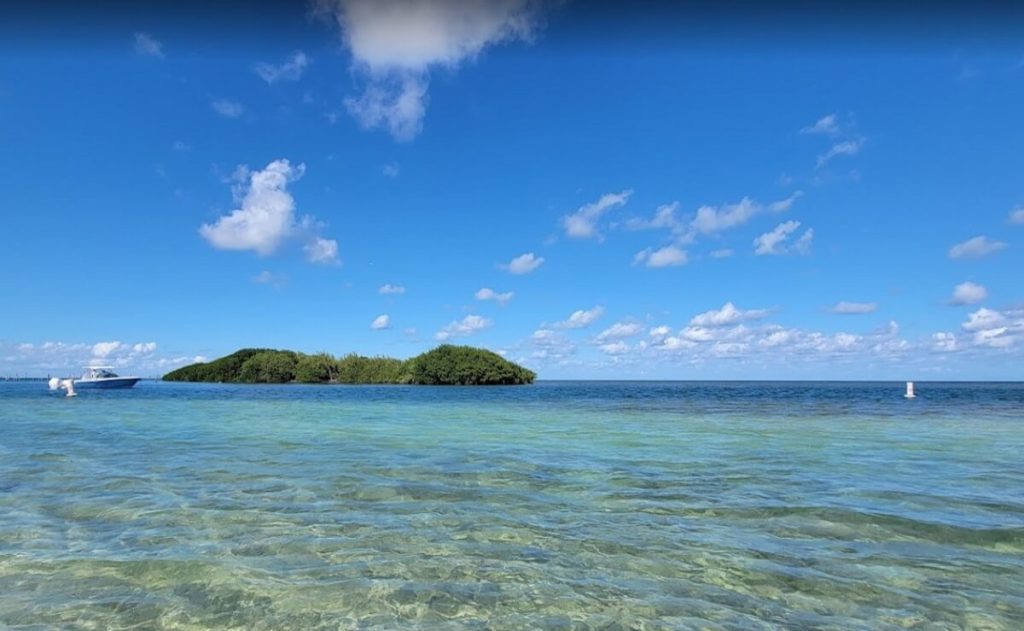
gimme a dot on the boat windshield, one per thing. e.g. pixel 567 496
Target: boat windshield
pixel 99 373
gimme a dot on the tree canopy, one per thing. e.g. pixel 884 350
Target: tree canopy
pixel 444 365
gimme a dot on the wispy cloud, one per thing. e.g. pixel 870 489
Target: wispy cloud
pixel 486 293
pixel 266 277
pixel 227 109
pixel 854 308
pixel 844 148
pixel 390 289
pixel 523 264
pixel 582 224
pixel 668 256
pixel 774 241
pixel 828 125
pixel 381 322
pixel 289 70
pixel 1017 216
pixel 581 318
pixel 975 247
pixel 146 44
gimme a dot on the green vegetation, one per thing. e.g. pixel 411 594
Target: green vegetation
pixel 445 365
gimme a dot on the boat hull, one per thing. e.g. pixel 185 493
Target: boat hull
pixel 107 384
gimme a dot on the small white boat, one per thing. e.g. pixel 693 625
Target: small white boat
pixel 104 377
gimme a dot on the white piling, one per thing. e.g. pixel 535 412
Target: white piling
pixel 910 391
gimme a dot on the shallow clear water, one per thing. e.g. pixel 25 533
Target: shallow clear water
pixel 560 505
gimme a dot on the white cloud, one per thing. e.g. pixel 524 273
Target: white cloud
pixel 664 217
pixel 722 253
pixel 146 44
pixel 660 332
pixel 712 219
pixel 945 341
pixel 853 308
pixel 614 348
pixel 773 242
pixel 396 43
pixel 975 247
pixel 968 293
pixel 582 224
pixel 620 330
pixel 290 70
pixel 460 328
pixel 1017 215
pixel 266 277
pixel 103 350
pixel 227 109
pixel 668 256
pixel 844 148
pixel 581 318
pixel 391 289
pixel 398 104
pixel 828 125
pixel 486 293
pixel 728 314
pixel 995 329
pixel 391 170
pixel 783 205
pixel 381 322
pixel 266 217
pixel 524 263
pixel 320 250
pixel 144 348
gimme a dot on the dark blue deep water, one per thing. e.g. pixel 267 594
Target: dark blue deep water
pixel 576 505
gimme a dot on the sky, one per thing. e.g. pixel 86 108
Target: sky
pixel 596 192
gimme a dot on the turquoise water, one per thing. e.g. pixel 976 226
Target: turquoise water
pixel 556 506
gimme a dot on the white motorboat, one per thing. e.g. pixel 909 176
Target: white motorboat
pixel 104 377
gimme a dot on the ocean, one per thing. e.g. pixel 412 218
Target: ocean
pixel 562 505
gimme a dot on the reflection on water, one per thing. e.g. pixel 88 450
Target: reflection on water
pixel 562 506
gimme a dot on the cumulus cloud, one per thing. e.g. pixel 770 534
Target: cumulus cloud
pixel 461 328
pixel 975 247
pixel 266 216
pixel 486 293
pixel 381 322
pixel 854 308
pixel 146 44
pixel 227 109
pixel 968 293
pixel 102 350
pixel 995 329
pixel 582 224
pixel 1017 215
pixel 728 314
pixel 614 348
pixel 390 289
pixel 289 70
pixel 524 263
pixel 945 341
pixel 668 256
pixel 774 241
pixel 581 318
pixel 396 43
pixel 828 125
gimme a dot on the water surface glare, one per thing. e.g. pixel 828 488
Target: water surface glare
pixel 563 505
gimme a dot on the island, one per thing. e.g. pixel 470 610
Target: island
pixel 445 365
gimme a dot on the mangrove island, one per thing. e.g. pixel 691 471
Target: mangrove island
pixel 445 365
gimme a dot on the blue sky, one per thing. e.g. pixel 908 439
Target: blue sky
pixel 664 203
